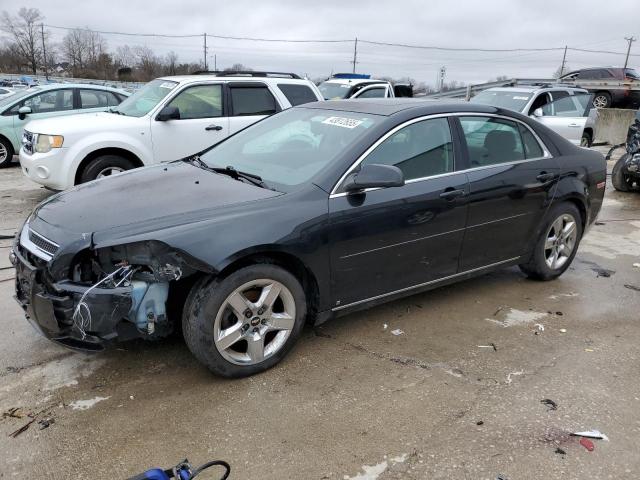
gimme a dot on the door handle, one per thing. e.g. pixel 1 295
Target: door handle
pixel 545 177
pixel 217 128
pixel 452 194
pixel 574 124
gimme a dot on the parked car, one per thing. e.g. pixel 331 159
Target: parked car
pixel 361 86
pixel 566 110
pixel 319 210
pixel 48 101
pixel 168 118
pixel 611 86
pixel 6 91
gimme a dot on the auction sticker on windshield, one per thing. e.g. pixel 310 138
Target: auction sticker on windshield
pixel 343 122
pixel 168 85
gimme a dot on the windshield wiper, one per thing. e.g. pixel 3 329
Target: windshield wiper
pixel 237 174
pixel 230 171
pixel 118 112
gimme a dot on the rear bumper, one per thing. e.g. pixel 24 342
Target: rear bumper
pixel 49 307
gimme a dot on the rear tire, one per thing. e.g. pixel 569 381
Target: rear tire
pixel 602 100
pixel 557 244
pixel 244 323
pixel 620 181
pixel 105 166
pixel 6 152
pixel 585 141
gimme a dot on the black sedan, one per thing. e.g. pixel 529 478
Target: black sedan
pixel 316 211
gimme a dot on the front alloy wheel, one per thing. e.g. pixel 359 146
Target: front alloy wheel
pixel 246 322
pixel 254 322
pixel 561 240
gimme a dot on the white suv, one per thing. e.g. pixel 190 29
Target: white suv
pixel 167 119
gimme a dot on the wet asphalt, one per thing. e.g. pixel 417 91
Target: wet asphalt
pixel 353 400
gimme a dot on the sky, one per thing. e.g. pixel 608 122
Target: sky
pixel 487 24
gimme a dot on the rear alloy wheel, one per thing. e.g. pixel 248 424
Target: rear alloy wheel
pixel 621 181
pixel 105 166
pixel 246 322
pixel 602 100
pixel 6 152
pixel 557 243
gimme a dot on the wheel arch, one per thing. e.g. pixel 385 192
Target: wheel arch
pixel 8 140
pixel 286 260
pixel 106 151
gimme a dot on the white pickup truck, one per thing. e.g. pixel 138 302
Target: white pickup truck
pixel 167 119
pixel 353 85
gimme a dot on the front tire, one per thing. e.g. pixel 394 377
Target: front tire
pixel 105 166
pixel 557 244
pixel 6 152
pixel 244 323
pixel 621 181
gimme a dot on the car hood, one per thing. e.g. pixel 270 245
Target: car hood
pixel 79 123
pixel 143 200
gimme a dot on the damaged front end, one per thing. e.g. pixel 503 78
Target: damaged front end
pixel 101 294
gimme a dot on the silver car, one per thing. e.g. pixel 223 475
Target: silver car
pixel 565 110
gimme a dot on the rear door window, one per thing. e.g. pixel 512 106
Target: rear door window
pixel 492 141
pixel 256 100
pixel 297 94
pixel 532 148
pixel 93 98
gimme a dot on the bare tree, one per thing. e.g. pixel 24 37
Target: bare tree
pixel 24 33
pixel 148 63
pixel 171 63
pixel 125 57
pixel 238 67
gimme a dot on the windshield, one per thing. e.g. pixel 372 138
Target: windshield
pixel 334 91
pixel 500 98
pixel 145 99
pixel 289 148
pixel 11 99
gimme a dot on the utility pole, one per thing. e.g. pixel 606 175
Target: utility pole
pixel 44 53
pixel 215 62
pixel 564 60
pixel 355 54
pixel 443 72
pixel 630 40
pixel 204 35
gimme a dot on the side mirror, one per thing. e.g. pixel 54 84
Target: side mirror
pixel 23 112
pixel 168 113
pixel 374 176
pixel 538 113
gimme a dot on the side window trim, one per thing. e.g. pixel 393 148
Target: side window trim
pixel 335 191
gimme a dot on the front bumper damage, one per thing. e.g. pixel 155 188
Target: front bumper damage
pixel 49 307
pixel 89 315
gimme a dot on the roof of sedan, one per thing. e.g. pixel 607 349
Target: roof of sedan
pixel 391 106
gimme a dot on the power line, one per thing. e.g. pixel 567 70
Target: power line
pixel 370 42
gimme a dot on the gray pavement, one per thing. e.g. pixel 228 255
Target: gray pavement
pixel 354 401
